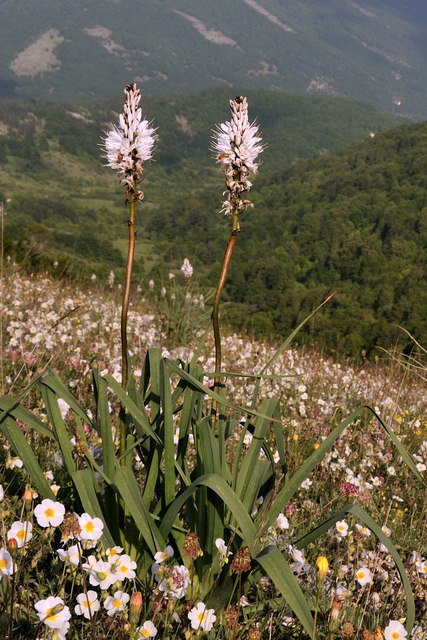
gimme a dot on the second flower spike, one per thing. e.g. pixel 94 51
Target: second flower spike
pixel 237 145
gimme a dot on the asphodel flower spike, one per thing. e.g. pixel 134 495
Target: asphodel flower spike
pixel 127 147
pixel 236 145
pixel 130 144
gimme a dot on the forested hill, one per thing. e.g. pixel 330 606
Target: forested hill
pixel 354 222
pixel 63 205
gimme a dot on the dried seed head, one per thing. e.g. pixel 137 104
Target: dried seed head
pixel 254 634
pixel 231 617
pixel 242 561
pixel 81 448
pixel 347 629
pixel 191 546
pixel 70 526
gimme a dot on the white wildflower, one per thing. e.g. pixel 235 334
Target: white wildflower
pixel 130 144
pixel 187 268
pixel 236 146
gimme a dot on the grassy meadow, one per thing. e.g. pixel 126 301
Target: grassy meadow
pixel 162 477
pixel 47 323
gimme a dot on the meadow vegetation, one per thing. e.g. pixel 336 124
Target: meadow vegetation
pixel 156 480
pixel 42 328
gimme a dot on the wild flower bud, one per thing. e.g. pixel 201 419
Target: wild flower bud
pixel 12 546
pixel 322 566
pixel 135 608
pixel 28 499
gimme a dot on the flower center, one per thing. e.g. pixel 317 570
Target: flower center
pixel 20 534
pixel 89 527
pixel 117 603
pixel 3 563
pixel 49 513
pixel 395 635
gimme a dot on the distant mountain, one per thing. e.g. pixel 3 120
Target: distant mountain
pixel 374 50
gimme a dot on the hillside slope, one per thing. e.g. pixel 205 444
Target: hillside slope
pixel 373 50
pixel 60 198
pixel 354 223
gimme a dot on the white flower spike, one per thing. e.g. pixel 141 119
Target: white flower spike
pixel 130 144
pixel 236 145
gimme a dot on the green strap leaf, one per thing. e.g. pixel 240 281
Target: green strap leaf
pixel 138 417
pixel 130 492
pixel 273 562
pixel 206 391
pixel 20 445
pixel 10 406
pixel 59 428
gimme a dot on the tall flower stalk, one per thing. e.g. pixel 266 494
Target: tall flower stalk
pixel 236 145
pixel 127 147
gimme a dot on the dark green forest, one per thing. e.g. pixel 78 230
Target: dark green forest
pixel 354 223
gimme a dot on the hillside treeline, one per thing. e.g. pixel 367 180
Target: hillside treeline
pixel 354 223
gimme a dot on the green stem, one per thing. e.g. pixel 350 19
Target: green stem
pixel 124 320
pixel 85 591
pixel 12 598
pixel 313 635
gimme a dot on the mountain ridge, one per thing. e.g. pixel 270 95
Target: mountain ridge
pixel 369 50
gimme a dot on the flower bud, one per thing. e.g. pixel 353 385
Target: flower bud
pixel 334 614
pixel 321 571
pixel 56 609
pixel 135 608
pixel 28 499
pixel 322 566
pixel 12 545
